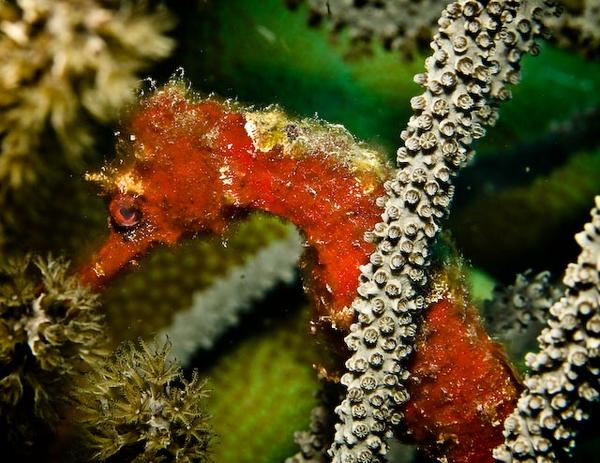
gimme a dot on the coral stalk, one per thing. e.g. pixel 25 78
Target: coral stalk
pixel 564 373
pixel 517 312
pixel 578 28
pixel 461 386
pixel 220 306
pixel 476 53
pixel 518 305
pixel 400 25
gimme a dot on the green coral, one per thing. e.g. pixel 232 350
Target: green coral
pixel 139 408
pixel 553 206
pixel 265 390
pixel 50 333
pixel 147 300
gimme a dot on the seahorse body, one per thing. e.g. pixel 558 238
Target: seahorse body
pixel 188 165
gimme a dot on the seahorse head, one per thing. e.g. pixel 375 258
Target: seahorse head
pixel 165 180
pixel 187 165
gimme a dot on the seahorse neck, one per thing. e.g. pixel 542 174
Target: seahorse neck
pixel 330 204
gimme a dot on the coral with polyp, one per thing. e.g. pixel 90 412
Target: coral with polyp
pixel 65 64
pixel 50 333
pixel 562 382
pixel 138 407
pixel 189 165
pixel 400 25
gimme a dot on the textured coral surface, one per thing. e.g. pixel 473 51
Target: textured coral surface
pixel 562 382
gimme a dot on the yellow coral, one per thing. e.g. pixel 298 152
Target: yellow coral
pixel 66 63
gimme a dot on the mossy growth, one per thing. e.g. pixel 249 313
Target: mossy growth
pixel 50 333
pixel 139 408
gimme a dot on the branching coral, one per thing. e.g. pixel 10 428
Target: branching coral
pixel 517 312
pixel 403 25
pixel 64 64
pixel 50 332
pixel 578 27
pixel 476 53
pixel 138 406
pixel 516 306
pixel 408 25
pixel 219 307
pixel 564 374
pixel 313 443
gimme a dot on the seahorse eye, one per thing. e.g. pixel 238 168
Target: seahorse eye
pixel 125 212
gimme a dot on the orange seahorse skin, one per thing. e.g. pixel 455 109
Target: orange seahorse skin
pixel 192 165
pixel 462 387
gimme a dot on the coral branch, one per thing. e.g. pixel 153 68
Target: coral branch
pixel 517 312
pixel 403 25
pixel 219 307
pixel 407 25
pixel 476 53
pixel 516 306
pixel 564 374
pixel 578 28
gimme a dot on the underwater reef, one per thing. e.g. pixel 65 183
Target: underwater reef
pixel 302 231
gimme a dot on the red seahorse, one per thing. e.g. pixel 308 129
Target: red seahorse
pixel 191 165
